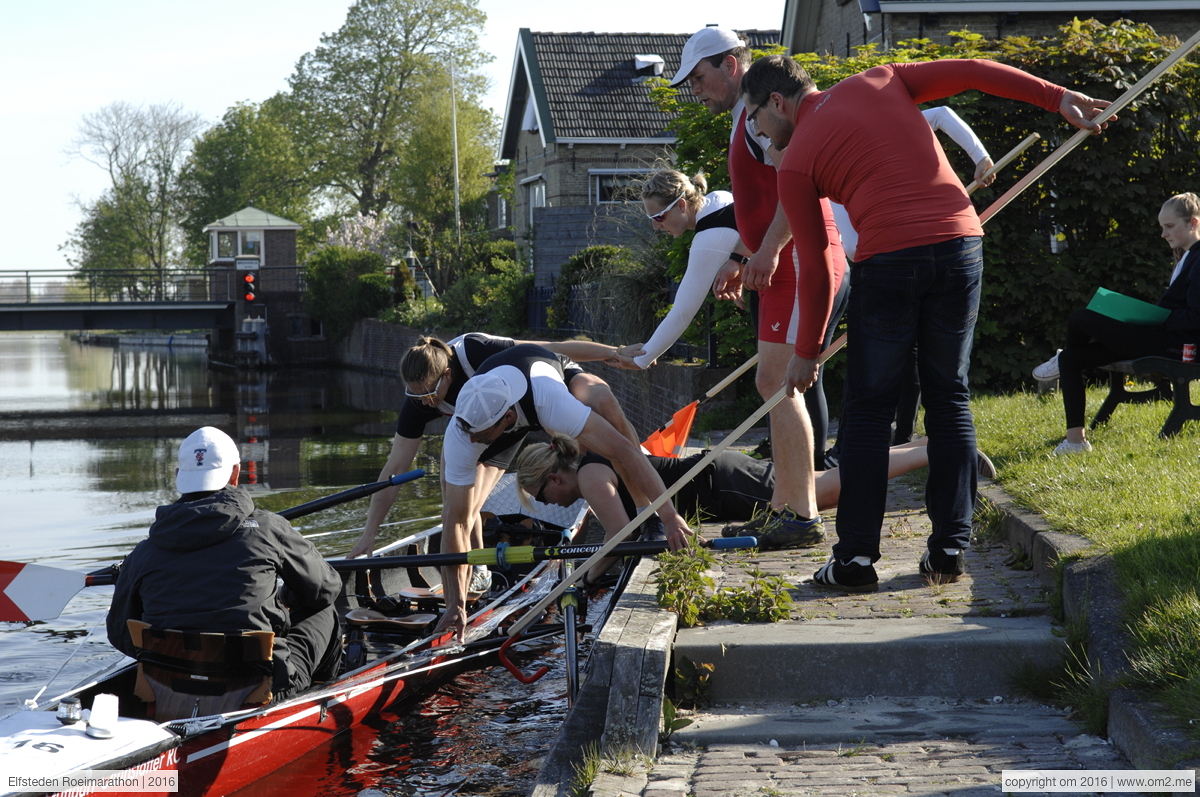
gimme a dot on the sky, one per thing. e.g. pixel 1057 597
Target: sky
pixel 62 60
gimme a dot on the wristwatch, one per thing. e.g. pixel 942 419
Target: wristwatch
pixel 739 258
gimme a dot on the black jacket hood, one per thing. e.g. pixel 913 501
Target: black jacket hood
pixel 193 525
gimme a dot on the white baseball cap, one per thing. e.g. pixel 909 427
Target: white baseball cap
pixel 206 460
pixel 483 401
pixel 705 43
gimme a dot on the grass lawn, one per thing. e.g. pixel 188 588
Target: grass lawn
pixel 1136 497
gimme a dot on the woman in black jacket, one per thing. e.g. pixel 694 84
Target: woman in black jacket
pixel 1094 339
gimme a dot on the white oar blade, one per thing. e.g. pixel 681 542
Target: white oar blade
pixel 35 592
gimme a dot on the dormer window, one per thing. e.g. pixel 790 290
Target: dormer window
pixel 646 66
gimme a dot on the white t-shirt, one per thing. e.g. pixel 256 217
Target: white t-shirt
pixel 557 412
pixel 710 249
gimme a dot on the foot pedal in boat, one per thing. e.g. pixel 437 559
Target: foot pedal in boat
pixel 409 623
pixel 432 594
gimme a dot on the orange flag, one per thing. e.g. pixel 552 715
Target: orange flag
pixel 670 440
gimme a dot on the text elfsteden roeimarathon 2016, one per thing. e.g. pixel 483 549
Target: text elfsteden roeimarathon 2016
pixel 99 780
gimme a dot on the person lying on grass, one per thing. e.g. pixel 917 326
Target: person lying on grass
pixel 733 487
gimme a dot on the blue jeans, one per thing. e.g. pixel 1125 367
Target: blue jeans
pixel 927 296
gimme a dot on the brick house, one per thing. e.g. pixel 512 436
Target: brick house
pixel 578 128
pixel 837 26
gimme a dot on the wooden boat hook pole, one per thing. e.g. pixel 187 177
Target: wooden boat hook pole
pixel 620 536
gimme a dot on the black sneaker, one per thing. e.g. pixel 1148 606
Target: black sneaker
pixel 652 529
pixel 856 575
pixel 940 567
pixel 749 529
pixel 786 529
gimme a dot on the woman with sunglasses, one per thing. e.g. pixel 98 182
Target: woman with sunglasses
pixel 433 373
pixel 733 487
pixel 676 203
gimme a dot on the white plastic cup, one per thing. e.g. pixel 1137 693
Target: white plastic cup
pixel 103 720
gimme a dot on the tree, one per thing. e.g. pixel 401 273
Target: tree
pixel 107 251
pixel 345 285
pixel 141 149
pixel 248 159
pixel 353 100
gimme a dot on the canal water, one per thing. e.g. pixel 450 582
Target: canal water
pixel 88 436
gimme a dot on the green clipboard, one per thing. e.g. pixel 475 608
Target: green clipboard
pixel 1126 308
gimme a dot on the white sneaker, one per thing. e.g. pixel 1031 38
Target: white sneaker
pixel 1067 447
pixel 481 579
pixel 1048 371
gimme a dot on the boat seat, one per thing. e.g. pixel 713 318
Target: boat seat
pixel 193 673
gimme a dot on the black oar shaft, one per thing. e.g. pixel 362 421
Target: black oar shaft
pixel 352 494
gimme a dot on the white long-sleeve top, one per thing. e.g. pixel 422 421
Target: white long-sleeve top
pixel 943 119
pixel 710 249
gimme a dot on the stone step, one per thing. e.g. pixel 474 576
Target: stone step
pixel 801 661
pixel 873 720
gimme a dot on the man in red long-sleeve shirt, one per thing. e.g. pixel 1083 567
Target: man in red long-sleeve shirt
pixel 864 144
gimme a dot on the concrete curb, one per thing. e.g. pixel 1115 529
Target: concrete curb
pixel 1137 725
pixel 619 707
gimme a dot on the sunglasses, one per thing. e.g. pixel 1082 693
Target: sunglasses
pixel 752 125
pixel 431 394
pixel 541 494
pixel 670 206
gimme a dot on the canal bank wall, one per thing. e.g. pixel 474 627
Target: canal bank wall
pixel 649 398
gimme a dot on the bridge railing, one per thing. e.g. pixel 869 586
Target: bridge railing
pixel 191 285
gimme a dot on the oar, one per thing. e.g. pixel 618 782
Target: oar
pixel 1007 159
pixel 1081 135
pixel 351 494
pixel 37 592
pixel 606 549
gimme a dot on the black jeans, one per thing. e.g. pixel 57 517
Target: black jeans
pixel 1094 340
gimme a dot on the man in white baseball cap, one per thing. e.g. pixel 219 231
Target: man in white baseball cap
pixel 213 562
pixel 713 63
pixel 705 43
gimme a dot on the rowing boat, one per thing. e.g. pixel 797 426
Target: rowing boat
pixel 222 753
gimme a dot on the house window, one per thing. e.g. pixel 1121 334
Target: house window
pixel 613 187
pixel 535 197
pixel 501 212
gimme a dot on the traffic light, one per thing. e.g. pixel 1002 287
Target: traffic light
pixel 251 285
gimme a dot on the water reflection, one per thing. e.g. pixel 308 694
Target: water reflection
pixel 88 437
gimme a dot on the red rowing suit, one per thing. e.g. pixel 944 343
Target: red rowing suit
pixel 755 186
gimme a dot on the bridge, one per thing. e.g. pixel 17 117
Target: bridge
pixel 75 300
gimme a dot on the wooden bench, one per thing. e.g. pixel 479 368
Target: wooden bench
pixel 1173 377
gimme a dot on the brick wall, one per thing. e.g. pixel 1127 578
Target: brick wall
pixel 279 248
pixel 837 18
pixel 649 398
pixel 561 232
pixel 1181 23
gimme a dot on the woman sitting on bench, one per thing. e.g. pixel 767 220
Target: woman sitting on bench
pixel 1094 339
